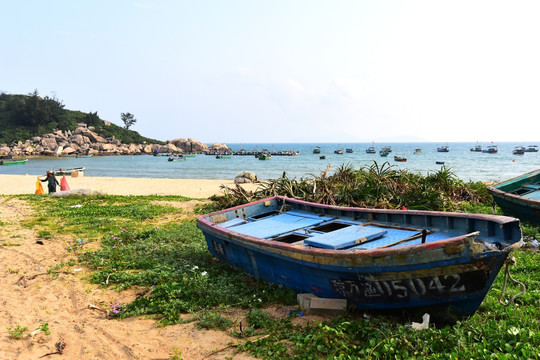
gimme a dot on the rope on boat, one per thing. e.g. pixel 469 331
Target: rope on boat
pixel 510 261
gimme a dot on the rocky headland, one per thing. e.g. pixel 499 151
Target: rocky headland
pixel 84 141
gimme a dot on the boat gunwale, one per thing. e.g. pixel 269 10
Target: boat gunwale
pixel 522 176
pixel 354 254
pixel 497 193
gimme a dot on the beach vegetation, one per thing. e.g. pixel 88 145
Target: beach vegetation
pixel 208 319
pixel 44 328
pixel 374 186
pixel 17 332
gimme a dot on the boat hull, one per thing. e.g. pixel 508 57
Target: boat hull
pixel 525 206
pixel 13 162
pixel 454 274
pixel 69 171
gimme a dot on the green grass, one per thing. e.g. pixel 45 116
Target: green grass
pixel 170 260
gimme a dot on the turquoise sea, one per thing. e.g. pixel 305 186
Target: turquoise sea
pixel 467 165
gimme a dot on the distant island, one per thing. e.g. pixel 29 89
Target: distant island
pixel 31 125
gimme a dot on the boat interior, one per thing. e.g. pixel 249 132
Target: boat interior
pixel 530 191
pixel 345 231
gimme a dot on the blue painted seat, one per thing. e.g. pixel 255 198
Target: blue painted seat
pixel 391 236
pixel 233 222
pixel 345 237
pixel 280 224
pixel 535 195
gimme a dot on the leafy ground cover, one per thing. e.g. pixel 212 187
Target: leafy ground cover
pixel 138 242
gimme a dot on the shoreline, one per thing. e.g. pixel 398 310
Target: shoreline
pixel 192 188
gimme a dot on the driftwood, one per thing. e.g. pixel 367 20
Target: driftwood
pixel 94 307
pixel 60 346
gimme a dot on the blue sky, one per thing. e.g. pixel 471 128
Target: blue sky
pixel 285 71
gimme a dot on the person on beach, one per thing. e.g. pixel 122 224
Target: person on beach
pixel 52 182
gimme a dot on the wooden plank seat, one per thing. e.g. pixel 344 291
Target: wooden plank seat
pixel 280 224
pixel 345 237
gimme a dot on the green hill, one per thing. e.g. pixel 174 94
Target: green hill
pixel 25 116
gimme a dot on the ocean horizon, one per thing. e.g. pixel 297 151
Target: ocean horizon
pixel 465 164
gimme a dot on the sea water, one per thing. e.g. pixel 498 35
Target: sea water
pixel 465 164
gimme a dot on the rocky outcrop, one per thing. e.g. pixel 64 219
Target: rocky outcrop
pixel 83 140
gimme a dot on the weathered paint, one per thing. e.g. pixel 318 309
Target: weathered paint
pixel 399 277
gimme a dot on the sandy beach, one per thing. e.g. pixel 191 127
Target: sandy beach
pixel 193 188
pixel 75 310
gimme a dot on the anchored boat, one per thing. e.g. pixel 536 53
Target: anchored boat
pixel 69 171
pixel 374 258
pixel 13 162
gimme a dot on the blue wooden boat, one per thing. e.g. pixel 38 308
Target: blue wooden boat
pixel 374 258
pixel 371 150
pixel 519 196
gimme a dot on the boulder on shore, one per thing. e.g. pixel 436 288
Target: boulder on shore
pixel 245 177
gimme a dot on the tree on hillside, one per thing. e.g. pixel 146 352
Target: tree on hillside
pixel 128 119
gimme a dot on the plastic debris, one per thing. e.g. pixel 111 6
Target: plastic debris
pixel 300 313
pixel 534 244
pixel 63 184
pixel 39 188
pixel 423 325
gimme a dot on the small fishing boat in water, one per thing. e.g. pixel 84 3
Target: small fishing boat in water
pixel 477 148
pixel 400 158
pixel 518 150
pixel 349 150
pixel 491 149
pixel 443 148
pixel 84 156
pixel 265 156
pixel 177 158
pixel 374 258
pixel 69 171
pixel 338 151
pixel 322 157
pixel 519 196
pixel 531 148
pixel 371 150
pixel 317 150
pixel 13 162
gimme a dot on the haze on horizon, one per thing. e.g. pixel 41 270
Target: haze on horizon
pixel 303 71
